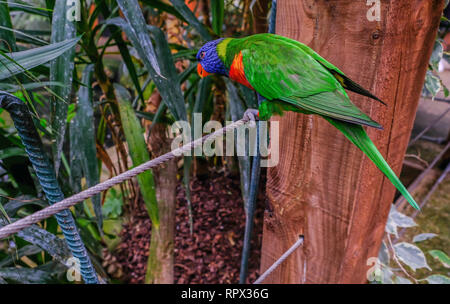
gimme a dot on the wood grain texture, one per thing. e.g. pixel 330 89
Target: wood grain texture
pixel 324 188
pixel 160 265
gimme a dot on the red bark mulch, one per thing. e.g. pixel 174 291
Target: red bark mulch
pixel 212 254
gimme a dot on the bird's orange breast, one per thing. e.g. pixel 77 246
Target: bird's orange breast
pixel 237 71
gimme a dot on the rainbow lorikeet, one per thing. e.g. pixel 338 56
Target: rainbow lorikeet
pixel 290 76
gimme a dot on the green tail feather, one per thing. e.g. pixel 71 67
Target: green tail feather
pixel 358 136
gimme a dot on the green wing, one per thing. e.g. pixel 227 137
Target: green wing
pixel 358 136
pixel 346 82
pixel 334 104
pixel 284 71
pixel 290 78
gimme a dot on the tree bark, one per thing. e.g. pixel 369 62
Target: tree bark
pixel 160 266
pixel 325 188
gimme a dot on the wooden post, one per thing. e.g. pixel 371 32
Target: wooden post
pixel 324 188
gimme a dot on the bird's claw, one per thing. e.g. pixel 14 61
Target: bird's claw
pixel 251 115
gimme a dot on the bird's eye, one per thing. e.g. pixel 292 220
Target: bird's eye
pixel 202 55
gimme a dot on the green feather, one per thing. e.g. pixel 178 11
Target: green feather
pixel 358 136
pixel 278 69
pixel 292 77
pixel 355 133
pixel 345 81
pixel 334 104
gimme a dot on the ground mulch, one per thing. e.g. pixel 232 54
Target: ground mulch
pixel 212 253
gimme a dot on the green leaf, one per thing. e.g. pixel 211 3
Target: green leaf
pixel 397 219
pixel 384 255
pixel 401 280
pixel 203 94
pixel 24 36
pixel 386 275
pixel 18 62
pixel 90 236
pixel 50 4
pixel 438 279
pixel 135 28
pixel 26 275
pixel 19 202
pixel 138 151
pixel 61 70
pixel 155 117
pixel 217 12
pixel 436 56
pixel 391 228
pixel 160 5
pixel 7 38
pixel 123 49
pixel 12 88
pixel 186 73
pixel 24 251
pixel 440 256
pixel 112 208
pixel 249 97
pixel 432 83
pixel 83 151
pixel 3 212
pixel 163 70
pixel 23 7
pixel 423 236
pixel 49 242
pixel 400 219
pixel 112 229
pixel 237 109
pixel 446 91
pixel 184 10
pixel 12 151
pixel 185 54
pixel 411 255
pixel 170 89
pixel 46 273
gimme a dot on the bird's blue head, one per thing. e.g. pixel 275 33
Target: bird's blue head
pixel 209 61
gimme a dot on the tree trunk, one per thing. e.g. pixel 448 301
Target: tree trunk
pixel 260 12
pixel 160 267
pixel 325 188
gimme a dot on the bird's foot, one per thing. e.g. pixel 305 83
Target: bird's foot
pixel 251 115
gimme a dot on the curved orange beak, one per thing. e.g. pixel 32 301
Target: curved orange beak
pixel 201 71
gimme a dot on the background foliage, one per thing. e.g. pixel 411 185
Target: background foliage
pixel 97 87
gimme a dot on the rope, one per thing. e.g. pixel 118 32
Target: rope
pixel 34 218
pixel 46 175
pixel 63 205
pixel 279 261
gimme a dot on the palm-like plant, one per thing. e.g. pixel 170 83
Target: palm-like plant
pixel 87 84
